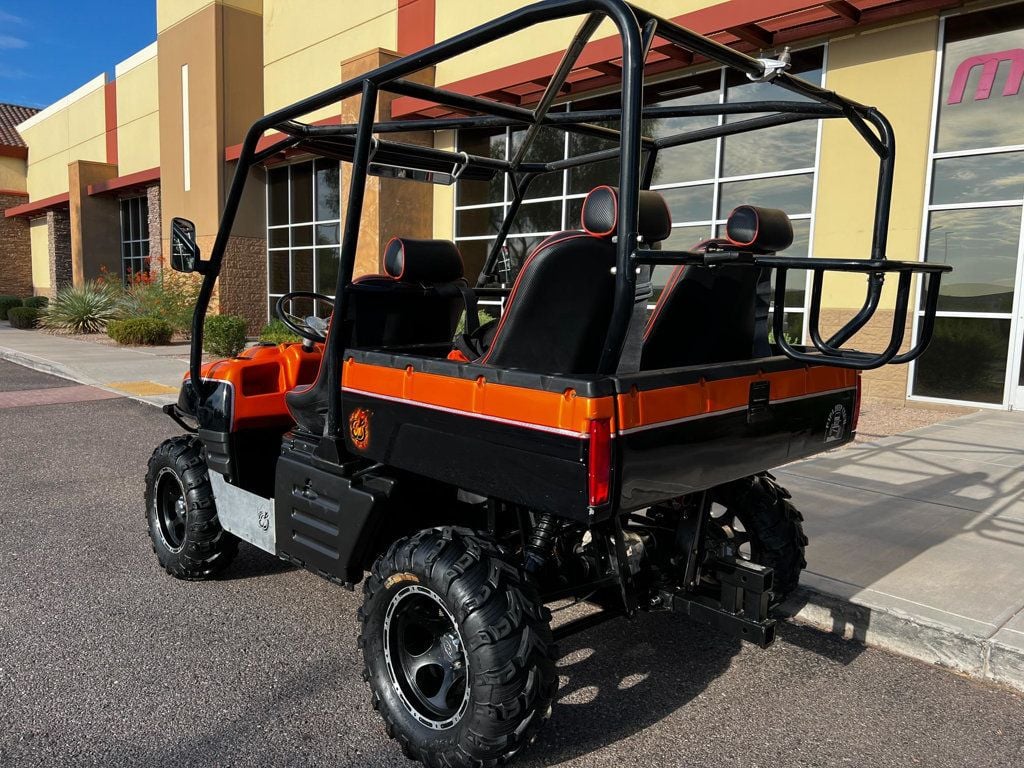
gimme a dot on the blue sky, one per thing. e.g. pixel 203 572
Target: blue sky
pixel 50 47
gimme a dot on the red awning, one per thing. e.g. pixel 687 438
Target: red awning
pixel 124 183
pixel 37 207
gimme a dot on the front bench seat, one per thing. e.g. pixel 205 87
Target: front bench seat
pixel 418 301
pixel 557 314
pixel 710 314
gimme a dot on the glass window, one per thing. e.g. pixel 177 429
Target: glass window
pixel 134 238
pixel 982 68
pixel 978 178
pixel 981 244
pixel 977 198
pixel 690 203
pixel 793 194
pixel 979 347
pixel 303 230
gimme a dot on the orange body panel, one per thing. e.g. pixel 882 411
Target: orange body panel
pixel 260 377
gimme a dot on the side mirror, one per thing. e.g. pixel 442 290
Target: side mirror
pixel 184 250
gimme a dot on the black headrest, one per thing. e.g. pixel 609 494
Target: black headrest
pixel 600 217
pixel 422 261
pixel 761 230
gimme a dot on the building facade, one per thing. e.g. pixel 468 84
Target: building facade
pixel 111 163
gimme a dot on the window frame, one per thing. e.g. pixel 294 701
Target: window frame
pixel 134 204
pixel 1014 355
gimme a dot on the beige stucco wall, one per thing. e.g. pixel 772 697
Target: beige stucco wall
pixel 138 119
pixel 12 174
pixel 301 58
pixel 170 12
pixel 40 255
pixel 862 67
pixel 72 129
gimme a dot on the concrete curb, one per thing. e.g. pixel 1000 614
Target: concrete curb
pixel 922 639
pixel 57 369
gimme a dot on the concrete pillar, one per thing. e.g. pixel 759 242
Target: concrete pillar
pixel 95 223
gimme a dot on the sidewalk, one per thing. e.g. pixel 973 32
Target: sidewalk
pixel 916 540
pixel 150 374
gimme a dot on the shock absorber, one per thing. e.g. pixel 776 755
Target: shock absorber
pixel 541 542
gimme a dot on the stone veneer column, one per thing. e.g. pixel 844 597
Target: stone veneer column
pixel 15 250
pixel 58 227
pixel 155 228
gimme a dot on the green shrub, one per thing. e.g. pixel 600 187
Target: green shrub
pixel 83 309
pixel 23 317
pixel 276 332
pixel 6 303
pixel 36 302
pixel 170 298
pixel 224 335
pixel 140 330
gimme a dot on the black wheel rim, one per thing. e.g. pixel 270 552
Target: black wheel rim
pixel 740 541
pixel 426 657
pixel 171 510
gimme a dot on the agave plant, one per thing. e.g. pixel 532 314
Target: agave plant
pixel 83 309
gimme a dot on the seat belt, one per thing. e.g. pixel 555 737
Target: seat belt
pixel 633 346
pixel 468 298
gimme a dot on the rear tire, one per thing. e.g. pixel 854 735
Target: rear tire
pixel 446 607
pixel 187 536
pixel 775 527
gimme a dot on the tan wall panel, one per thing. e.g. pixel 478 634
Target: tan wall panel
pixel 40 254
pixel 48 137
pixel 138 145
pixel 138 121
pixel 170 12
pixel 315 68
pixel 87 118
pixel 287 26
pixel 861 67
pixel 48 177
pixel 455 16
pixel 444 197
pixel 13 171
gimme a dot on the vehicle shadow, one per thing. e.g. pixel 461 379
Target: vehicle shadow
pixel 252 562
pixel 623 676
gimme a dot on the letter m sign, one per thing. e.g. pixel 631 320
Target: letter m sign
pixel 989 63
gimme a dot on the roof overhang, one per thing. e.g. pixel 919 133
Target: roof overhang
pixel 37 207
pixel 141 179
pixel 7 150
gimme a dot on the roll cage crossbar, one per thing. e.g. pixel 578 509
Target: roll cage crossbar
pixel 637 30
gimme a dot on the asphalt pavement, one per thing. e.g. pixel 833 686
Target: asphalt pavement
pixel 105 660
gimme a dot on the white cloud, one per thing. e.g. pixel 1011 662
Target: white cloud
pixel 10 18
pixel 8 42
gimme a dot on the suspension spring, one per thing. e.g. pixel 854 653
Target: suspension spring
pixel 541 542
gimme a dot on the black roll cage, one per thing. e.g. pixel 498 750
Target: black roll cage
pixel 637 30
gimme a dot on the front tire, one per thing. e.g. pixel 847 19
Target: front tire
pixel 457 648
pixel 187 536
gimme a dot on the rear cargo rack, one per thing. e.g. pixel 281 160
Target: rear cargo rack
pixel 829 351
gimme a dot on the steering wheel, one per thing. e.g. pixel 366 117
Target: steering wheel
pixel 311 328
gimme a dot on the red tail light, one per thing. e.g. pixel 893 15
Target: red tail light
pixel 856 405
pixel 599 467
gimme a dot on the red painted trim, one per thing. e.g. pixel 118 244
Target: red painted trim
pixel 38 207
pixel 140 179
pixel 8 151
pixel 415 25
pixel 110 110
pixel 13 193
pixel 787 20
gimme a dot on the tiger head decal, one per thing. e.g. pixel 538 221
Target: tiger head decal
pixel 359 428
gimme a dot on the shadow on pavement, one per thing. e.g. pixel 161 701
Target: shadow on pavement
pixel 624 676
pixel 252 562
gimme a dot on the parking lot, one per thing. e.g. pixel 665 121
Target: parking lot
pixel 105 660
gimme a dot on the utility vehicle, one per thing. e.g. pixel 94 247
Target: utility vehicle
pixel 579 447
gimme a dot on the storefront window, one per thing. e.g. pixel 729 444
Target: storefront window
pixel 701 182
pixel 134 238
pixel 973 220
pixel 303 232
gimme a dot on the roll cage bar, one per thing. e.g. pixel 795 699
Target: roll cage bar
pixel 637 30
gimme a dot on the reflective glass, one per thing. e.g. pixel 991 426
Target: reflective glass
pixel 690 203
pixel 790 193
pixel 979 347
pixel 978 178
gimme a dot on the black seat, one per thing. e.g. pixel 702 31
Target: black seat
pixel 718 314
pixel 418 301
pixel 557 314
